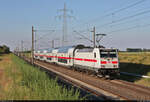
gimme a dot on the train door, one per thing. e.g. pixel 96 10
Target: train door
pixel 70 60
pixel 96 58
pixel 94 63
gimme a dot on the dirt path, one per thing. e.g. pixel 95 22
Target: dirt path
pixel 4 79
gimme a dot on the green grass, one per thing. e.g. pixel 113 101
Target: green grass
pixel 137 58
pixel 138 63
pixel 135 62
pixel 33 84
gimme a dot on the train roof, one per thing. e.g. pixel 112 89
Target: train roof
pixel 49 50
pixel 85 50
pixel 45 50
pixel 65 49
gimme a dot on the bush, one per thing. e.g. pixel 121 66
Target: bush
pixel 4 49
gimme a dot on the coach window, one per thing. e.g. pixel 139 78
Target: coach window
pixel 94 55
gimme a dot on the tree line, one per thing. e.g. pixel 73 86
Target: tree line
pixel 4 49
pixel 137 50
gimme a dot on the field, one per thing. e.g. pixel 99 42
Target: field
pixel 138 63
pixel 20 81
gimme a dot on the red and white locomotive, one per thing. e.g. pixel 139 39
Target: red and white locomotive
pixel 100 61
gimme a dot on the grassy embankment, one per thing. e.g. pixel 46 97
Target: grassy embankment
pixel 18 80
pixel 138 63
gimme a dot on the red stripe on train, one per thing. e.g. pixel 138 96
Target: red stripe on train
pixel 65 57
pixel 90 60
pixel 114 62
pixel 50 56
pixel 103 62
pixel 80 59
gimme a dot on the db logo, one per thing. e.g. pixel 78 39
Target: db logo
pixel 109 62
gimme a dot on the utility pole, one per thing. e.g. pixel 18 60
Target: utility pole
pixel 64 29
pixel 32 50
pixel 22 48
pixel 35 40
pixel 52 43
pixel 64 25
pixel 94 45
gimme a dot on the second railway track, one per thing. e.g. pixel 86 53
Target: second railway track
pixel 114 89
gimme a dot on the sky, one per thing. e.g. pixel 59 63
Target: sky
pixel 126 22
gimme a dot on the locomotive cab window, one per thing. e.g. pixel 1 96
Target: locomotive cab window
pixel 108 54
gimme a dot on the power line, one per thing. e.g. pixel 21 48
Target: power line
pixel 130 28
pixel 42 30
pixel 132 5
pixel 44 35
pixel 131 21
pixel 41 37
pixel 83 36
pixel 117 11
pixel 125 18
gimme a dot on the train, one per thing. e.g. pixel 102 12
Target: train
pixel 101 62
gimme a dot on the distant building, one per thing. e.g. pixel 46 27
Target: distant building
pixel 146 50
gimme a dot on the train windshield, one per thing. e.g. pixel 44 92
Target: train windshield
pixel 108 53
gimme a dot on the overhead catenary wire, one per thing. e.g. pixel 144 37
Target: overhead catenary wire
pixel 43 30
pixel 121 9
pixel 37 39
pixel 116 11
pixel 83 36
pixel 132 5
pixel 116 21
pixel 142 18
pixel 130 28
pixel 125 18
pixel 43 36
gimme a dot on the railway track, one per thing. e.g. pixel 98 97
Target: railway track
pixel 109 89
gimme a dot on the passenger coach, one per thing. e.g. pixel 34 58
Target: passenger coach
pixel 100 61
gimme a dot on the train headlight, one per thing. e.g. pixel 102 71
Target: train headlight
pixel 115 66
pixel 102 66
